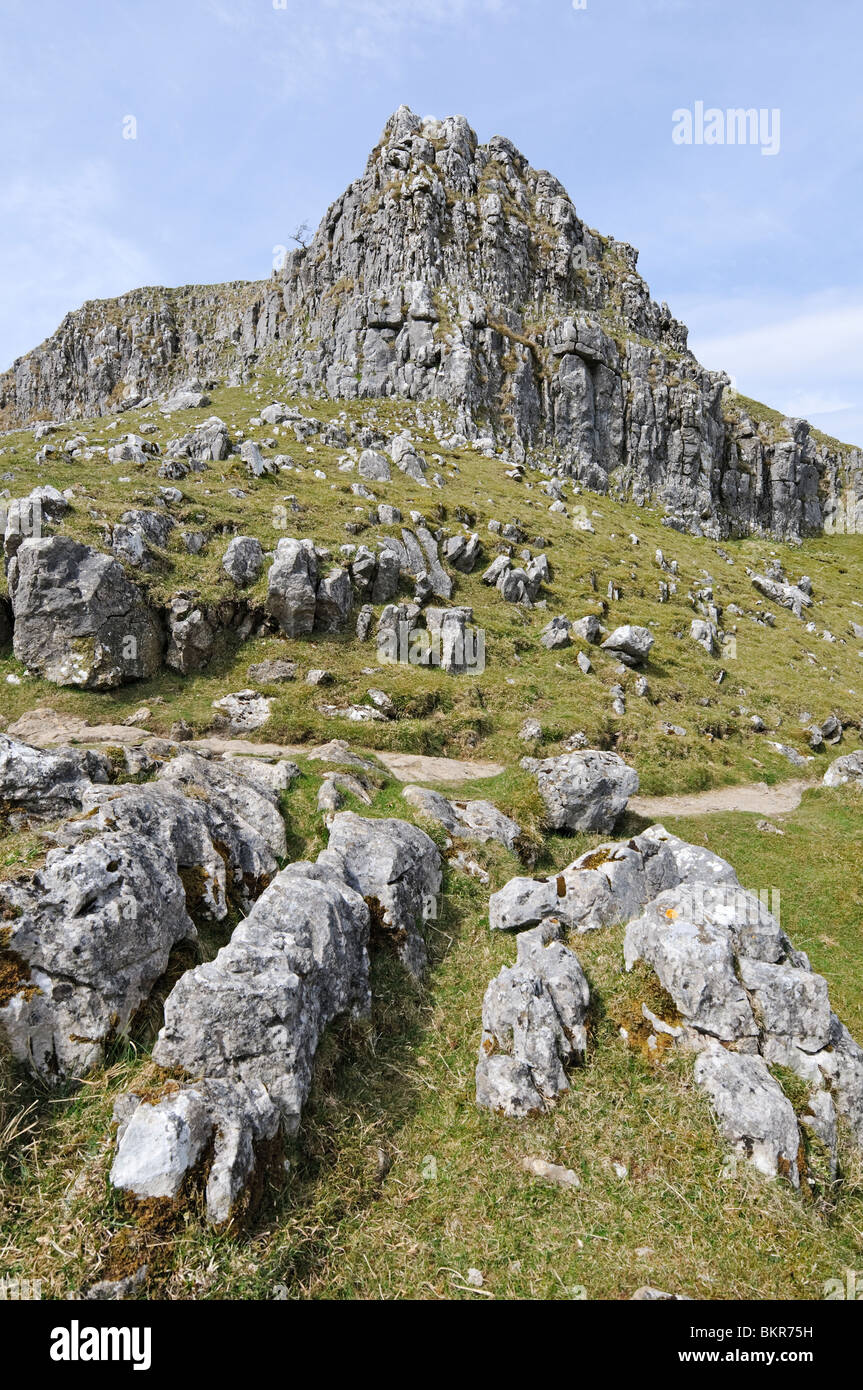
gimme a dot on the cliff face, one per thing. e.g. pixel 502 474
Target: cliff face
pixel 453 270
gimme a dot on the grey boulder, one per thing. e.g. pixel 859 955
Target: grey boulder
pixel 585 791
pixel 292 584
pixel 78 619
pixel 533 1019
pixel 754 1114
pixel 87 938
pixel 256 1012
pixel 243 560
pixel 396 868
pixel 631 645
pixel 845 770
pixel 467 820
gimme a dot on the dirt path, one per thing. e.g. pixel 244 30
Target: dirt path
pixel 406 767
pixel 754 796
pixel 45 728
pixel 416 767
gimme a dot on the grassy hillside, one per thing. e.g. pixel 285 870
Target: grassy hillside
pixel 397 1185
pixel 779 673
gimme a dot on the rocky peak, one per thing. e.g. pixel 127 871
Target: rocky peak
pixel 452 270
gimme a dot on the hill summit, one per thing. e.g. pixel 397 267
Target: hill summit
pixel 453 271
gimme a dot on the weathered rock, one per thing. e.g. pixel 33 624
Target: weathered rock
pixel 338 751
pixel 272 672
pixel 254 460
pixel 256 1013
pixel 161 1144
pixel 585 791
pixel 439 580
pixel 137 532
pixel 183 826
pixel 845 770
pixel 705 634
pixel 374 467
pixel 787 595
pixel 796 759
pixel 86 939
pixel 219 822
pixel 242 816
pixel 208 441
pixel 78 619
pixel 629 644
pixel 188 397
pixel 191 636
pixel 603 887
pixel 467 820
pixel 396 868
pixel 790 1003
pixel 556 634
pixel 695 963
pixel 589 629
pixel 331 791
pixel 459 646
pixel 530 731
pixel 333 601
pixel 243 560
pixel 292 585
pixel 365 622
pixel 387 577
pixel 754 1115
pixel 244 711
pixel 47 783
pixel 462 552
pixel 533 1019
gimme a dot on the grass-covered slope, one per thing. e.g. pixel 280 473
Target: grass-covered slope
pixel 397 1185
pixel 778 673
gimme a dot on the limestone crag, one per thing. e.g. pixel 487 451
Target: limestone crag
pixel 453 271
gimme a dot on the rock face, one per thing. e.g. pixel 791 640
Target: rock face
pixel 467 820
pixel 584 791
pixel 396 868
pixel 78 619
pixel 738 994
pixel 256 1013
pixel 453 270
pixel 533 1018
pixel 84 942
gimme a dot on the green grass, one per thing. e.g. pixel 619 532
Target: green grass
pixel 398 1184
pixel 778 673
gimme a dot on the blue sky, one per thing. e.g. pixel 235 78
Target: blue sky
pixel 252 115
